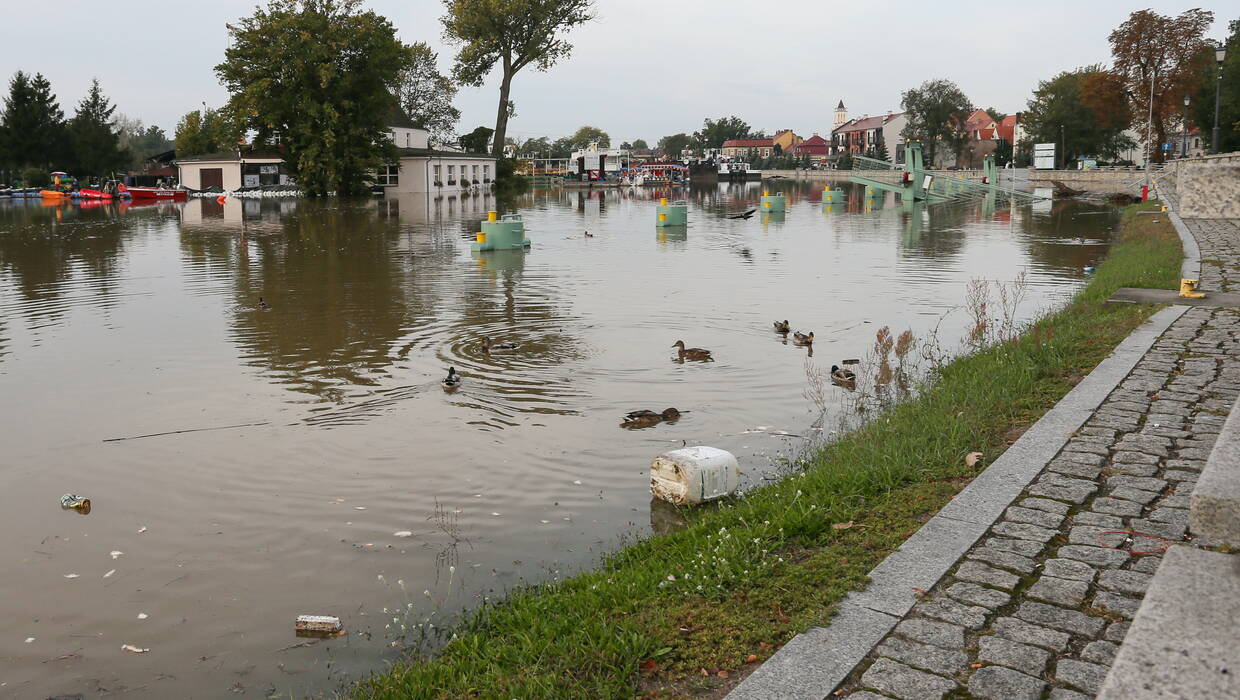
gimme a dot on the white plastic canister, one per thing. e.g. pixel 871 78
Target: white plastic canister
pixel 693 475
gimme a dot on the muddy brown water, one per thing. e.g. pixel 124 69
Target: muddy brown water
pixel 318 428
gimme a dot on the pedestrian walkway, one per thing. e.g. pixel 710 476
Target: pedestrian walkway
pixel 1039 605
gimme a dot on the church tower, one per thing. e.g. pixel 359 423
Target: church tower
pixel 841 114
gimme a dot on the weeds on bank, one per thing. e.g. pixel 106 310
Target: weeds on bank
pixel 689 612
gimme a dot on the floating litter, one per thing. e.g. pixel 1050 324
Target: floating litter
pixel 495 514
pixel 71 575
pixel 403 533
pixel 30 640
pixel 142 616
pixel 141 529
pixel 359 507
pixel 109 573
pixel 133 649
pixel 577 482
pixel 72 501
pixel 116 553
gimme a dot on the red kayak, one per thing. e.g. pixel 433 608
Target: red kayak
pixel 94 194
pixel 155 193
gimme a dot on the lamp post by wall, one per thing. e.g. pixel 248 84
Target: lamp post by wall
pixel 1063 146
pixel 1184 129
pixel 1220 53
pixel 1149 126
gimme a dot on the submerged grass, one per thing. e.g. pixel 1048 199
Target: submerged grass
pixel 690 612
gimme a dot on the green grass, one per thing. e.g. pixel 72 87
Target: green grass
pixel 772 563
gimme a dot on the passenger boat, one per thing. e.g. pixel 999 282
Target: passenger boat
pixel 733 171
pixel 155 193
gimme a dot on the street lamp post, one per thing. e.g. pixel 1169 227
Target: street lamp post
pixel 1063 146
pixel 1184 129
pixel 1149 126
pixel 1220 53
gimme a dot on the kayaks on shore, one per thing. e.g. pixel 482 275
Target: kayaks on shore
pixel 54 194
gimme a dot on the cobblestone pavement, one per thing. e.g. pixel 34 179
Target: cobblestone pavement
pixel 1039 607
pixel 1220 258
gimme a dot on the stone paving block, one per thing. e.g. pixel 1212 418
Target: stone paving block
pixel 1025 548
pixel 1034 517
pixel 1170 531
pixel 1020 631
pixel 940 634
pixel 1024 531
pixel 1170 515
pixel 1100 652
pixel 1093 460
pixel 1148 564
pixel 978 572
pixel 1004 560
pixel 1083 471
pixel 974 594
pixel 1134 495
pixel 999 683
pixel 1116 631
pixel 1121 604
pixel 1107 433
pixel 945 662
pixel 1145 483
pixel 1135 469
pixel 1057 694
pixel 948 610
pixel 1194 453
pixel 1005 652
pixel 867 695
pixel 1129 582
pixel 1175 500
pixel 1059 618
pixel 905 683
pixel 1069 569
pixel 1188 465
pixel 1095 536
pixel 1094 556
pixel 1085 517
pixel 1063 488
pixel 1114 506
pixel 1060 591
pixel 1046 505
pixel 1129 457
pixel 1179 476
pixel 1081 674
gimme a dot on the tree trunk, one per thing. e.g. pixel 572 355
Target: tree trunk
pixel 501 119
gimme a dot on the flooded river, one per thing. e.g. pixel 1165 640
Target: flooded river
pixel 248 462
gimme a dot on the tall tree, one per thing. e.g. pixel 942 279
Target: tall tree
pixel 672 146
pixel 321 76
pixel 1228 84
pixel 715 132
pixel 205 131
pixel 587 135
pixel 426 95
pixel 640 144
pixel 936 116
pixel 539 147
pixel 513 34
pixel 94 139
pixel 32 126
pixel 1082 111
pixel 477 140
pixel 1160 53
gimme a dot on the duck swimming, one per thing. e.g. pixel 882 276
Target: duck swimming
pixel 648 419
pixel 263 305
pixel 684 353
pixel 800 338
pixel 497 348
pixel 452 382
pixel 782 327
pixel 842 376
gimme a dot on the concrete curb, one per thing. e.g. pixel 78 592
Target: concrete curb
pixel 1191 267
pixel 818 660
pixel 1214 507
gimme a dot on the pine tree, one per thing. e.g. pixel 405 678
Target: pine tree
pixel 32 124
pixel 96 149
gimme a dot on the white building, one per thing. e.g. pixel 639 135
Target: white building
pixel 232 170
pixel 598 161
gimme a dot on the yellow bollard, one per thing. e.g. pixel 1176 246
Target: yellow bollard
pixel 482 236
pixel 663 201
pixel 662 216
pixel 765 193
pixel 830 198
pixel 492 216
pixel 767 204
pixel 1188 289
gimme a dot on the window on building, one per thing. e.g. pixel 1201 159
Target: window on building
pixel 451 174
pixel 475 173
pixel 389 175
pixel 438 177
pixel 486 172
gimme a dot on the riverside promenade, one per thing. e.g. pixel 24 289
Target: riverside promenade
pixel 1026 585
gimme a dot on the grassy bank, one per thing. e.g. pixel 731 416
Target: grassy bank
pixel 690 612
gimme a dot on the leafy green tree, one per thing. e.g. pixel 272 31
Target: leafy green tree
pixel 477 140
pixel 205 131
pixel 142 141
pixel 1160 53
pixel 321 77
pixel 1003 152
pixel 672 146
pixel 626 146
pixel 1060 112
pixel 1228 84
pixel 426 95
pixel 715 132
pixel 32 126
pixel 513 34
pixel 640 144
pixel 844 162
pixel 94 139
pixel 562 147
pixel 996 114
pixel 880 152
pixel 587 135
pixel 538 147
pixel 936 116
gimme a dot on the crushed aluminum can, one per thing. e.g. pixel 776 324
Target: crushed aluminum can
pixel 72 501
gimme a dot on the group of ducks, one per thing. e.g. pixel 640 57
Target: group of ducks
pixel 646 418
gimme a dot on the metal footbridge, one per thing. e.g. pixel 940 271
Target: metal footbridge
pixel 915 184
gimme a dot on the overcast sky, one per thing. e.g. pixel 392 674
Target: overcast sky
pixel 642 69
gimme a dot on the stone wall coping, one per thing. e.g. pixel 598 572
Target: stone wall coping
pixel 1214 508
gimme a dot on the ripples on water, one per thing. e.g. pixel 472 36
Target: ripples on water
pixel 118 322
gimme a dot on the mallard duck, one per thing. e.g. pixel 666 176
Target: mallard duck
pixel 782 327
pixel 691 353
pixel 497 348
pixel 589 235
pixel 263 304
pixel 842 376
pixel 800 338
pixel 452 382
pixel 648 419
